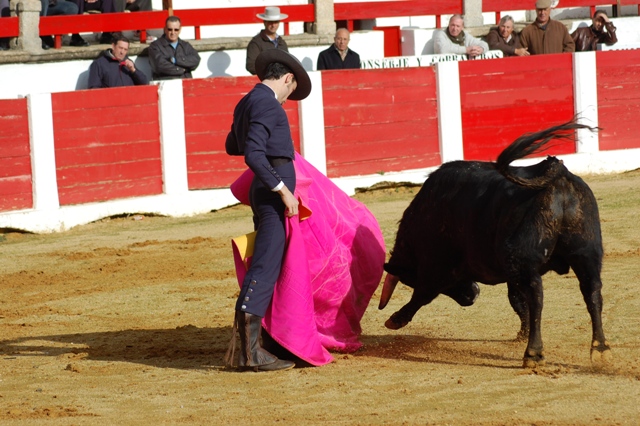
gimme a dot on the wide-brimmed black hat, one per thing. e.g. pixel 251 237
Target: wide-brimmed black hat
pixel 270 56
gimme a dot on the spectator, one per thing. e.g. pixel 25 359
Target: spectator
pixel 114 69
pixel 169 56
pixel 97 6
pixel 454 39
pixel 586 38
pixel 338 55
pixel 4 12
pixel 133 5
pixel 60 7
pixel 267 38
pixel 505 39
pixel 546 35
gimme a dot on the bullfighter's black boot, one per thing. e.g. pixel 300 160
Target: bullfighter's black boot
pixel 252 355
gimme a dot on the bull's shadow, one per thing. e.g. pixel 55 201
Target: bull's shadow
pixel 441 350
pixel 187 347
pixel 489 353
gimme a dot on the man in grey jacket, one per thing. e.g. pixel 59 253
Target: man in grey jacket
pixel 169 56
pixel 454 39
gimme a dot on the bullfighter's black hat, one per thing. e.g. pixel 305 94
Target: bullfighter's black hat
pixel 269 56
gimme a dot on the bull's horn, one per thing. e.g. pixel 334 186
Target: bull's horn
pixel 390 283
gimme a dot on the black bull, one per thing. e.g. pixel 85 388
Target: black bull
pixel 491 223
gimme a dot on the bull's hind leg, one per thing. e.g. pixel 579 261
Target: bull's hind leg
pixel 530 284
pixel 588 272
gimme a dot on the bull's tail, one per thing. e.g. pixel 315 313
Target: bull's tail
pixel 532 143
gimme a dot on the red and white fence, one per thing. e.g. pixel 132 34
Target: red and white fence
pixel 74 157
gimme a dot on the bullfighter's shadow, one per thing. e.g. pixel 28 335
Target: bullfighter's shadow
pixel 187 347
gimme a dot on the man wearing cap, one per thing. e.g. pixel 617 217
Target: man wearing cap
pixel 261 131
pixel 546 35
pixel 267 38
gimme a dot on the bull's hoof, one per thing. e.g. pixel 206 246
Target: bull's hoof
pixel 533 360
pixel 601 353
pixel 393 323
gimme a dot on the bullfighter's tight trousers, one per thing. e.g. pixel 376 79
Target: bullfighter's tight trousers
pixel 268 218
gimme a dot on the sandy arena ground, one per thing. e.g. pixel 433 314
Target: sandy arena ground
pixel 126 321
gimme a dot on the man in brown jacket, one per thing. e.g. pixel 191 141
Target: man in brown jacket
pixel 586 38
pixel 546 35
pixel 267 38
pixel 505 39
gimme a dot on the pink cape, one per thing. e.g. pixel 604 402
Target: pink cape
pixel 331 268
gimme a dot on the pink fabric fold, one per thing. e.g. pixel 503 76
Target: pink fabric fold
pixel 331 268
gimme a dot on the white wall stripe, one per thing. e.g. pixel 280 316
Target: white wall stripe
pixel 449 111
pixel 312 137
pixel 43 157
pixel 585 95
pixel 172 137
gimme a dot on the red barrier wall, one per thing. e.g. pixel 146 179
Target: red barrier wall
pixel 15 156
pixel 107 144
pixel 208 109
pixel 618 73
pixel 380 120
pixel 502 99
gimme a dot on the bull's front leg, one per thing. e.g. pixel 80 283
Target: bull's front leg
pixel 404 316
pixel 534 354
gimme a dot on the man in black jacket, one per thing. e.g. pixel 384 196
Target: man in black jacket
pixel 114 69
pixel 169 56
pixel 338 55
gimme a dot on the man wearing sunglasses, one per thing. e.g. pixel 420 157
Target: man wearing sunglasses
pixel 169 56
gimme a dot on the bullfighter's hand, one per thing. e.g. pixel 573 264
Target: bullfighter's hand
pixel 290 202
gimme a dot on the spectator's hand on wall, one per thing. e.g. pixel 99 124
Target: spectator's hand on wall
pixel 474 51
pixel 523 51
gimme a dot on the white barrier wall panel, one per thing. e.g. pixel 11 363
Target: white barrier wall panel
pixel 43 156
pixel 311 111
pixel 173 141
pixel 449 111
pixel 585 95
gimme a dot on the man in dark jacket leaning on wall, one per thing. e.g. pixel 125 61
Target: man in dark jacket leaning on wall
pixel 587 38
pixel 114 68
pixel 169 56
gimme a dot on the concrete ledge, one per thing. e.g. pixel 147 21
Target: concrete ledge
pixel 67 53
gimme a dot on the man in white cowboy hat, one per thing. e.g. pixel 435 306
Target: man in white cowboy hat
pixel 261 132
pixel 546 35
pixel 267 38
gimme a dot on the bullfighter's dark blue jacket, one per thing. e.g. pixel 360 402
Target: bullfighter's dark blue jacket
pixel 261 126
